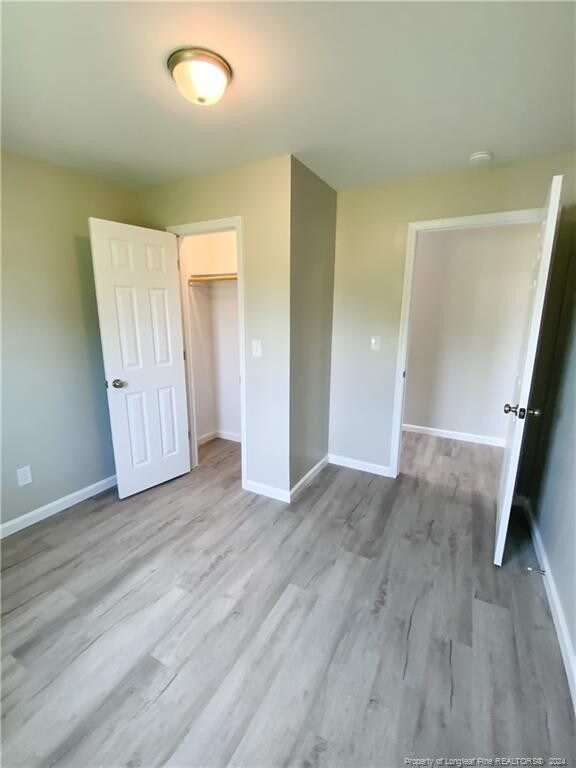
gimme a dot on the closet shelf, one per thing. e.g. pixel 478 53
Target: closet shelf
pixel 211 278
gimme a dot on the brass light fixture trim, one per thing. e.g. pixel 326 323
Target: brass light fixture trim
pixel 192 54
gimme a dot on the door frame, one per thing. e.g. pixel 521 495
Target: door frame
pixel 527 216
pixel 211 226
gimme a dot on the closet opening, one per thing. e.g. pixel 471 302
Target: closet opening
pixel 212 311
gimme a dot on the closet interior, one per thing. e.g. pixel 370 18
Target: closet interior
pixel 210 265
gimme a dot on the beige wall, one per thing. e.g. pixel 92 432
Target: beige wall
pixel 470 298
pixel 260 195
pixel 370 253
pixel 312 232
pixel 211 253
pixel 225 334
pixel 54 410
pixel 202 352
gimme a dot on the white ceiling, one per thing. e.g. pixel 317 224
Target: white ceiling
pixel 360 92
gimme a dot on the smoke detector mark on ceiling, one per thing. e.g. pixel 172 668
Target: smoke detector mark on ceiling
pixel 483 157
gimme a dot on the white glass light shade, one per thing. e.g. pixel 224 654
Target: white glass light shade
pixel 201 76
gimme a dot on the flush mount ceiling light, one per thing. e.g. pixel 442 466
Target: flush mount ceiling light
pixel 201 75
pixel 483 157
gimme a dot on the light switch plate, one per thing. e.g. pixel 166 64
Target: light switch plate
pixel 375 343
pixel 24 475
pixel 256 348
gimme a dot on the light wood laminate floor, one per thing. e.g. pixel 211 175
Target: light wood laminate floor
pixel 197 624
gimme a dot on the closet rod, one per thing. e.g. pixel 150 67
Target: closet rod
pixel 211 278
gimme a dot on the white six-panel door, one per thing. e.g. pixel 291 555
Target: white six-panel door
pixel 138 295
pixel 519 407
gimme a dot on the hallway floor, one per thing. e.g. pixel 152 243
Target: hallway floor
pixel 197 624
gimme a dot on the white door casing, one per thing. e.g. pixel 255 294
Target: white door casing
pixel 520 398
pixel 504 218
pixel 138 296
pixel 202 228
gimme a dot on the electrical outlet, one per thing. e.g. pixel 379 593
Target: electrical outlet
pixel 256 348
pixel 24 475
pixel 375 343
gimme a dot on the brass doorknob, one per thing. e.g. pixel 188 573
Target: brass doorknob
pixel 511 409
pixel 118 383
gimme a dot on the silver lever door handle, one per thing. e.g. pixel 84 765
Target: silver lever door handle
pixel 118 383
pixel 536 412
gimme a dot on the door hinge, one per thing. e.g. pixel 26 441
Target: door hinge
pixel 403 374
pixel 184 354
pixel 106 382
pixel 189 434
pixel 178 264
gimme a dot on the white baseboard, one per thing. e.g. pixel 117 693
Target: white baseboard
pixel 59 505
pixel 363 466
pixel 233 436
pixel 308 477
pixel 566 647
pixel 466 437
pixel 205 438
pixel 279 493
pixel 267 490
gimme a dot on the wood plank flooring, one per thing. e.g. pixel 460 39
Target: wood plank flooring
pixel 197 624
